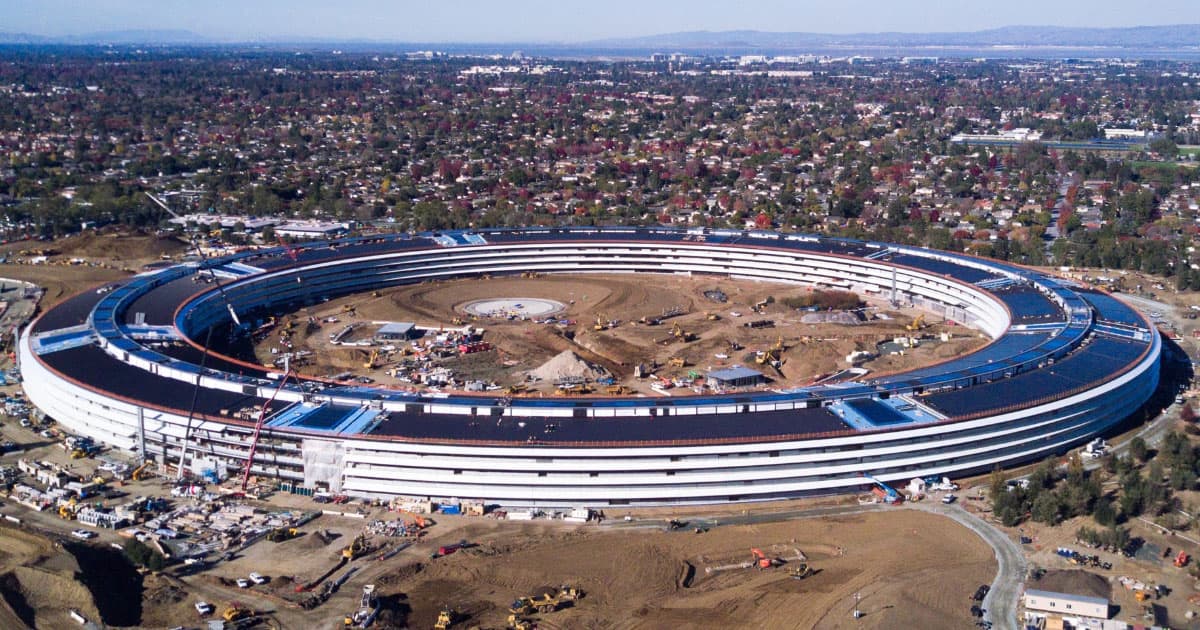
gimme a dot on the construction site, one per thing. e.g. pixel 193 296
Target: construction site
pixel 614 335
pixel 268 556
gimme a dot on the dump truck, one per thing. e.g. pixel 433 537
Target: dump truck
pixel 546 602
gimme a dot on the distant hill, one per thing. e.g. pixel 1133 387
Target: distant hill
pixel 110 37
pixel 1153 37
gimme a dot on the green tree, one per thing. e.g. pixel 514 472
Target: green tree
pixel 1046 508
pixel 1139 450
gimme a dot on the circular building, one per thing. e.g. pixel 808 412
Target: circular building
pixel 1065 363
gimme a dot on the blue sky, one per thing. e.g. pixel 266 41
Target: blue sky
pixel 566 20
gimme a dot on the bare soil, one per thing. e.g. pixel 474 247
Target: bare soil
pixel 911 569
pixel 618 303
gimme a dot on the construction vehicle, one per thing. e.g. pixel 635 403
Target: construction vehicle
pixel 445 619
pixel 547 603
pixel 1181 560
pixel 140 472
pixel 761 560
pixel 801 571
pixel 771 355
pixel 236 612
pixel 885 492
pixel 374 294
pixel 348 308
pixel 67 510
pixel 680 334
pixel 616 390
pixel 78 453
pixel 529 274
pixel 918 323
pixel 712 317
pixel 368 607
pixel 356 548
pixel 519 623
pixel 373 361
pixel 761 306
pixel 677 361
pixel 283 533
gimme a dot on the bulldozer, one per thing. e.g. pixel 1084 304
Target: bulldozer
pixel 356 548
pixel 801 571
pixel 712 317
pixel 283 533
pixel 519 623
pixel 445 619
pixel 677 361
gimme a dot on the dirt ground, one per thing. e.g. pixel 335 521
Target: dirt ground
pixel 38 584
pixel 810 351
pixel 911 569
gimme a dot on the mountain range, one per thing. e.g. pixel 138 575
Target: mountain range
pixel 1178 37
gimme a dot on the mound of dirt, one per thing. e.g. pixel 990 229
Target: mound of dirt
pixel 50 596
pixel 1075 582
pixel 568 365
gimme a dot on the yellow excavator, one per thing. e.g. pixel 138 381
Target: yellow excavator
pixel 356 548
pixel 140 472
pixel 235 612
pixel 772 354
pixel 445 619
pixel 917 324
pixel 373 361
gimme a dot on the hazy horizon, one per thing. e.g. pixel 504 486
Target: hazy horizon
pixel 543 21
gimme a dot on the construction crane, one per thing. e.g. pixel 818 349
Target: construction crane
pixel 187 431
pixel 287 247
pixel 886 492
pixel 262 415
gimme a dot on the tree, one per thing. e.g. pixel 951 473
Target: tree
pixel 143 555
pixel 1046 508
pixel 1137 448
pixel 1104 513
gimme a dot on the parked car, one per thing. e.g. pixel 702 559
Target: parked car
pixel 243 583
pixel 204 608
pixel 949 498
pixel 83 534
pixel 258 578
